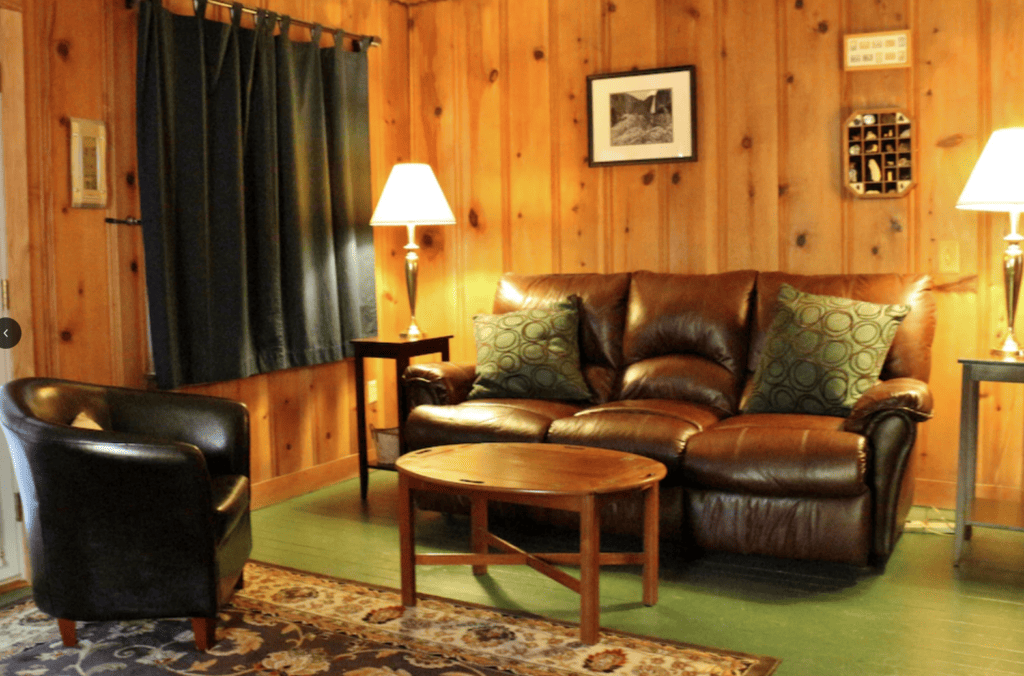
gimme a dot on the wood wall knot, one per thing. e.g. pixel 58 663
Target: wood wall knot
pixel 474 220
pixel 801 239
pixel 612 7
pixel 747 142
pixel 694 12
pixel 65 336
pixel 676 178
pixel 950 141
pixel 648 178
pixel 875 250
pixel 538 54
pixel 799 4
pixel 823 26
pixel 64 49
pixel 129 178
pixel 438 111
pixel 895 225
pixel 493 77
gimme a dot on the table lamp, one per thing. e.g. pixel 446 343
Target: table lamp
pixel 412 196
pixel 997 184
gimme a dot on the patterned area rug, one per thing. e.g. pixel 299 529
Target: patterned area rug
pixel 287 623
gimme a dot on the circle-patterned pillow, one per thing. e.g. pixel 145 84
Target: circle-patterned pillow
pixel 529 354
pixel 822 353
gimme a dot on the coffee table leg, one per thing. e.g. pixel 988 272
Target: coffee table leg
pixel 478 524
pixel 651 518
pixel 590 548
pixel 407 541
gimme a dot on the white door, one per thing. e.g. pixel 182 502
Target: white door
pixel 11 550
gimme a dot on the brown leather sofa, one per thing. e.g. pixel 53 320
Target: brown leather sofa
pixel 669 359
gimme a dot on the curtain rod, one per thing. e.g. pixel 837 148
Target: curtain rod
pixel 375 41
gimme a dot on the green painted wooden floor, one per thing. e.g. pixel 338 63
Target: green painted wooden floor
pixel 920 617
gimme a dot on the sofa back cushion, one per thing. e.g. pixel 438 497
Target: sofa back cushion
pixel 686 337
pixel 911 352
pixel 602 316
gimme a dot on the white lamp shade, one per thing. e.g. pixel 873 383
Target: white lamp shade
pixel 997 182
pixel 412 196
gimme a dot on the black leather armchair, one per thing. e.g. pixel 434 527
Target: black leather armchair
pixel 147 517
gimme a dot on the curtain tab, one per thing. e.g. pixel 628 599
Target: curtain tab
pixel 236 14
pixel 199 7
pixel 363 44
pixel 315 33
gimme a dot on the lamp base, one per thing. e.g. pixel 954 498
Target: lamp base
pixel 413 332
pixel 1010 348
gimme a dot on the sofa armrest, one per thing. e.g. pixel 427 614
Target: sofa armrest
pixel 887 414
pixel 908 395
pixel 439 383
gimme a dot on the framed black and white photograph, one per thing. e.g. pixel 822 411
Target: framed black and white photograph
pixel 643 116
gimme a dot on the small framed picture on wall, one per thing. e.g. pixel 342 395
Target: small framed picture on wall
pixel 88 163
pixel 643 116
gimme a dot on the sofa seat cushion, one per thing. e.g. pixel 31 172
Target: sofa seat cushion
pixel 483 420
pixel 654 428
pixel 778 455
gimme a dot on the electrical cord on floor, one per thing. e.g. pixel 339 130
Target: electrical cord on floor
pixel 935 521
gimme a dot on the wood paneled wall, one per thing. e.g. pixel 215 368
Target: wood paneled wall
pixel 492 93
pixel 498 99
pixel 88 307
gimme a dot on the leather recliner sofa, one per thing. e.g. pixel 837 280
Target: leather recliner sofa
pixel 669 359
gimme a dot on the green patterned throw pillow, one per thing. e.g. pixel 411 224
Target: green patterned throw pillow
pixel 821 353
pixel 529 354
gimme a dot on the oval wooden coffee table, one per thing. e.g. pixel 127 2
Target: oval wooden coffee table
pixel 573 478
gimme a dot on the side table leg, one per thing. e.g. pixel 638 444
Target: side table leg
pixel 590 550
pixel 364 473
pixel 479 527
pixel 966 461
pixel 650 572
pixel 407 541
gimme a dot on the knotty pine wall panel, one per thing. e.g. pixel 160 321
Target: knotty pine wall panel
pixel 15 186
pixel 635 192
pixel 579 36
pixel 766 191
pixel 947 92
pixel 809 167
pixel 691 36
pixel 878 230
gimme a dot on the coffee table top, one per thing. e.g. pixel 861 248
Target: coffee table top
pixel 543 469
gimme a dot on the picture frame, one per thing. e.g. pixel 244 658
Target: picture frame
pixel 643 116
pixel 88 163
pixel 872 51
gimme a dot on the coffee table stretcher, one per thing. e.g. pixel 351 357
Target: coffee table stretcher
pixel 589 558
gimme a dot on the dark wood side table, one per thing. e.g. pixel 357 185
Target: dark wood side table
pixel 399 349
pixel 970 510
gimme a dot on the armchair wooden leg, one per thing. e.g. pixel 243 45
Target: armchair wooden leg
pixel 67 632
pixel 205 629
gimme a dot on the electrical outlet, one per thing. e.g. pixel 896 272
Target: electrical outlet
pixel 371 392
pixel 949 256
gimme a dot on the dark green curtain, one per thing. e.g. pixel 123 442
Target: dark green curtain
pixel 254 172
